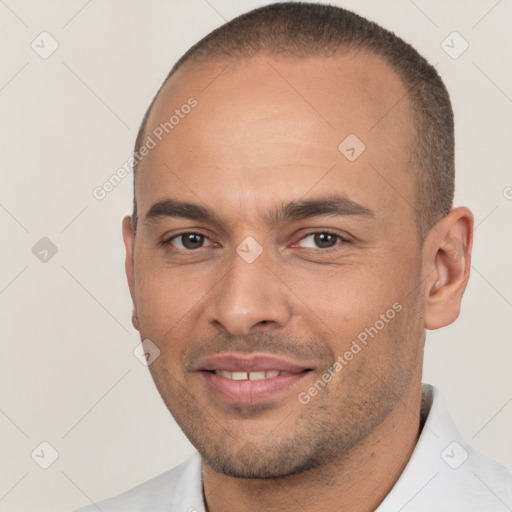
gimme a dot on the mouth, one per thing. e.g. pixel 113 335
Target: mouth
pixel 259 375
pixel 249 378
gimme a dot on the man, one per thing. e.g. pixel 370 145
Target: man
pixel 292 238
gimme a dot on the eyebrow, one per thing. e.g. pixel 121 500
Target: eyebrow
pixel 315 207
pixel 337 205
pixel 176 208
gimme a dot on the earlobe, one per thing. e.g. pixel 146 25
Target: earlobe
pixel 447 262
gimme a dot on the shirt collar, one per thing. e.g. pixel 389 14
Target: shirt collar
pixel 439 451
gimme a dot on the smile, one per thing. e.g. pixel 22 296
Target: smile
pixel 260 375
pixel 244 379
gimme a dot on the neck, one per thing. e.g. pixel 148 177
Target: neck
pixel 359 482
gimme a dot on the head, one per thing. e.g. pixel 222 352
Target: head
pixel 309 30
pixel 297 219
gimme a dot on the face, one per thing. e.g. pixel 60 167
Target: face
pixel 277 274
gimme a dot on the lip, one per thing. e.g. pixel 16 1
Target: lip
pixel 246 392
pixel 237 362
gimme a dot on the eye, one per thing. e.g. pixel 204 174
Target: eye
pixel 320 240
pixel 188 241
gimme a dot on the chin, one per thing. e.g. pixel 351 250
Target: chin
pixel 269 462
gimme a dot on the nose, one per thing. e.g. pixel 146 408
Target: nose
pixel 249 297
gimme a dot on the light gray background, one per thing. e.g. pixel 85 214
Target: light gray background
pixel 68 375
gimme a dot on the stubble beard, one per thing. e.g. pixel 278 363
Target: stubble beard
pixel 326 430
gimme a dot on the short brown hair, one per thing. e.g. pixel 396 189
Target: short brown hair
pixel 307 29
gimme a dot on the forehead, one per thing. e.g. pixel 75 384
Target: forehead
pixel 275 125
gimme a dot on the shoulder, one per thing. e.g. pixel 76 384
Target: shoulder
pixel 159 493
pixel 469 482
pixel 444 473
pixel 465 478
pixel 489 479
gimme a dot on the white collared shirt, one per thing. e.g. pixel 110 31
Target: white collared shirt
pixel 443 474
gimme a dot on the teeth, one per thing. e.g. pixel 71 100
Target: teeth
pixel 248 375
pixel 256 375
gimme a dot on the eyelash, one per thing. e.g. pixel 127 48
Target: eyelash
pixel 169 241
pixel 326 232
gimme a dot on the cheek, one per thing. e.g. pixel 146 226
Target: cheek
pixel 340 298
pixel 164 297
pixel 340 303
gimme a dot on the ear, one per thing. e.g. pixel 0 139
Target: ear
pixel 446 265
pixel 129 241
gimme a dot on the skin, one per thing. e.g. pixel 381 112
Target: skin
pixel 266 131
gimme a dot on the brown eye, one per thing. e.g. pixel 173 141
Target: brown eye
pixel 189 241
pixel 320 240
pixel 192 240
pixel 325 240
